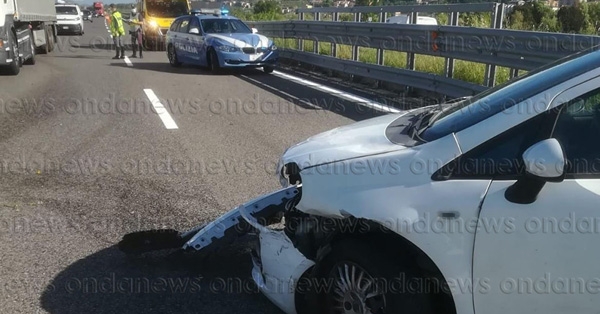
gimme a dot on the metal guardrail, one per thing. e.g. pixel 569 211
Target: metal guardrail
pixel 434 8
pixel 439 84
pixel 494 47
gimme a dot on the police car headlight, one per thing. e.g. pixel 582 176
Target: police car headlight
pixel 273 48
pixel 226 48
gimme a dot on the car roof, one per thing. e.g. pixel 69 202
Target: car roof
pixel 209 17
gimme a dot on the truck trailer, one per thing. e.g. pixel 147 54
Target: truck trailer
pixel 27 27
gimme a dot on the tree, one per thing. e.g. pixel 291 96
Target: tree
pixel 534 15
pixel 572 19
pixel 267 6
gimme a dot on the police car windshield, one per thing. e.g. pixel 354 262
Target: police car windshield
pixel 166 9
pixel 223 26
pixel 66 10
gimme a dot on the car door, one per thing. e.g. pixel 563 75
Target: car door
pixel 182 40
pixel 196 40
pixel 549 262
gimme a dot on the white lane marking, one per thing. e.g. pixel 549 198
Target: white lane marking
pixel 359 100
pixel 161 110
pixel 126 59
pixel 282 92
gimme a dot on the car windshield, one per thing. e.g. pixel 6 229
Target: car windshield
pixel 223 26
pixel 473 110
pixel 166 9
pixel 66 10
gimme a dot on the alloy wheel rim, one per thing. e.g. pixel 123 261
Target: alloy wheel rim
pixel 355 291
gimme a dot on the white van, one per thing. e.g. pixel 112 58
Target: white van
pixel 70 19
pixel 403 19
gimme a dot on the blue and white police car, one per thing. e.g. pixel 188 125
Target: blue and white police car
pixel 216 40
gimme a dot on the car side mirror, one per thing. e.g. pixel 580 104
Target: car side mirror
pixel 195 31
pixel 544 162
pixel 254 30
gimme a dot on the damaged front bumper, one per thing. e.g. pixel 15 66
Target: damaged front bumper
pixel 278 265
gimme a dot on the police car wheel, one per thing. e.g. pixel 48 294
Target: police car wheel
pixel 172 54
pixel 214 62
pixel 268 69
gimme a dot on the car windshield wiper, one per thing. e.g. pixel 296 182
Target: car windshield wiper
pixel 448 107
pixel 421 119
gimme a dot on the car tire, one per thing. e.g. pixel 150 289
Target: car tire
pixel 51 39
pixel 352 264
pixel 45 49
pixel 213 62
pixel 172 55
pixel 268 69
pixel 15 67
pixel 31 60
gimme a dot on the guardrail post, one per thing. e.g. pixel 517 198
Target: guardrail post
pixel 497 19
pixel 316 42
pixel 334 51
pixel 380 53
pixel 449 64
pixel 300 41
pixel 410 56
pixel 355 50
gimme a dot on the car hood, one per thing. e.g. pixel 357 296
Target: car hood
pixel 241 40
pixel 352 141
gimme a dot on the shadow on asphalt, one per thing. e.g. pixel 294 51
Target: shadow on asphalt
pixel 81 57
pixel 110 282
pixel 309 98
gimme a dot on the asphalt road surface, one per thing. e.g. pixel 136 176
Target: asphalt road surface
pixel 86 157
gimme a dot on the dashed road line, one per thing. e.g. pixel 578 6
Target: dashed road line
pixel 127 61
pixel 336 92
pixel 161 110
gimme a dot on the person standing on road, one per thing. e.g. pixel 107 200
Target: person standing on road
pixel 136 32
pixel 117 31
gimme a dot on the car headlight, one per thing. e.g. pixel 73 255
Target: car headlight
pixel 226 48
pixel 78 19
pixel 153 24
pixel 273 47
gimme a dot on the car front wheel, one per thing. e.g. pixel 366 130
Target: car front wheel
pixel 172 54
pixel 366 278
pixel 268 69
pixel 213 62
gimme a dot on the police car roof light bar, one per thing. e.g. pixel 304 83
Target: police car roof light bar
pixel 215 12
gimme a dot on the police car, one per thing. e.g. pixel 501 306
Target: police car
pixel 213 39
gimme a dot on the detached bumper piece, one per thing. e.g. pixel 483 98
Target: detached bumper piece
pixel 220 232
pixel 233 224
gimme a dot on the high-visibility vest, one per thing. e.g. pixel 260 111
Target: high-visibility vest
pixel 116 24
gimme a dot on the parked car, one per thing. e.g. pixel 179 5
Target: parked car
pixel 88 15
pixel 217 41
pixel 70 20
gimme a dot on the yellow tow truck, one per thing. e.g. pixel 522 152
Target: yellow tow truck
pixel 157 16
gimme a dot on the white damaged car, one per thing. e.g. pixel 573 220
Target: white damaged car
pixel 486 205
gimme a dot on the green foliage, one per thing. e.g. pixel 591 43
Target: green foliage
pixel 572 19
pixel 267 6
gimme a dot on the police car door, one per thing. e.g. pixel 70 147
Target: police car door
pixel 195 40
pixel 182 41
